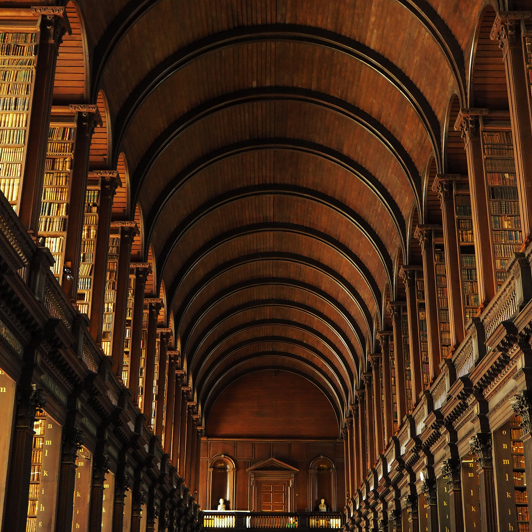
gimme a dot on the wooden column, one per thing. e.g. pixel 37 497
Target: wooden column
pixel 377 402
pixel 428 487
pixel 164 337
pixel 136 511
pixel 154 306
pixel 362 441
pixel 451 471
pixel 178 415
pixel 349 465
pixel 98 480
pixel 481 445
pixel 141 274
pixel 444 185
pixel 128 230
pixel 183 422
pixel 53 25
pixel 357 475
pixel 468 123
pixel 169 426
pixel 121 487
pixel 409 278
pixel 384 339
pixel 109 183
pixel 189 456
pixel 425 236
pixel 507 30
pixel 29 402
pixel 87 119
pixel 370 419
pixel 400 391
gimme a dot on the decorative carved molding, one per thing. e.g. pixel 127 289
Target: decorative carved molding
pixel 467 122
pixel 72 442
pixel 443 184
pixel 424 233
pixel 145 265
pixel 481 445
pixel 28 408
pixel 450 470
pixel 428 487
pixel 55 23
pixel 522 406
pixel 506 28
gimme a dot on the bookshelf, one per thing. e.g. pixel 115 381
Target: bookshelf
pixel 88 246
pixel 444 323
pixel 422 325
pixel 154 384
pixel 466 243
pixel 143 353
pixel 394 387
pixel 39 428
pixel 503 198
pixel 110 293
pixel 406 355
pixel 17 78
pixel 519 475
pixel 56 188
pixel 129 323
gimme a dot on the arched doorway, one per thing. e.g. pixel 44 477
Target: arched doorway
pixel 222 482
pixel 322 479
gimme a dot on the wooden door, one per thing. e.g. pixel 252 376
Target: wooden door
pixel 273 496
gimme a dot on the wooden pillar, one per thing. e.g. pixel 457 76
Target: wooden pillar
pixel 189 456
pixel 53 25
pixel 121 487
pixel 425 235
pixel 411 504
pixel 154 306
pixel 444 185
pixel 109 183
pixel 169 426
pixel 164 337
pixel 362 441
pixel 370 419
pixel 178 417
pixel 72 440
pixel 183 422
pixel 29 402
pixel 507 30
pixel 400 391
pixel 141 274
pixel 349 465
pixel 481 445
pixel 451 471
pixel 468 123
pixel 357 475
pixel 384 339
pixel 98 480
pixel 136 511
pixel 409 278
pixel 88 118
pixel 377 403
pixel 428 487
pixel 128 230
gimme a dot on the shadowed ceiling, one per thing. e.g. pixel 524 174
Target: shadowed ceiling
pixel 277 149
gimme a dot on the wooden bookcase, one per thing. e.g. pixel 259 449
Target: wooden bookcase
pixel 444 323
pixel 422 325
pixel 466 243
pixel 143 353
pixel 88 246
pixel 53 218
pixel 18 48
pixel 39 428
pixel 154 385
pixel 128 331
pixel 82 490
pixel 519 475
pixel 110 293
pixel 503 197
pixel 406 355
pixel 394 387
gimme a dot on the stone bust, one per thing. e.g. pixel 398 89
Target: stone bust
pixel 322 507
pixel 221 505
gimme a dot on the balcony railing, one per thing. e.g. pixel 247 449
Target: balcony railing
pixel 271 520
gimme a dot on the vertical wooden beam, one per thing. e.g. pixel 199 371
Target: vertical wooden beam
pixel 400 391
pixel 370 419
pixel 377 402
pixel 164 338
pixel 155 305
pixel 177 418
pixel 362 441
pixel 384 339
pixel 169 428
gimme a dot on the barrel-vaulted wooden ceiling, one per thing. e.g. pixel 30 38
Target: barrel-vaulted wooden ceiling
pixel 277 150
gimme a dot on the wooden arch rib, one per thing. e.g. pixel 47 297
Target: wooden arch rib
pixel 323 239
pixel 213 367
pixel 274 190
pixel 361 118
pixel 318 267
pixel 279 32
pixel 325 299
pixel 232 375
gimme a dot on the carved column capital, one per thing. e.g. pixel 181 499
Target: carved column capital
pixel 481 445
pixel 54 23
pixel 450 470
pixel 384 338
pixel 424 233
pixel 394 308
pixel 428 487
pixel 73 439
pixel 522 406
pixel 29 406
pixel 110 181
pixel 88 116
pixel 468 122
pixel 443 184
pixel 507 28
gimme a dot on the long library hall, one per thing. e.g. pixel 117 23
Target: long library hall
pixel 265 264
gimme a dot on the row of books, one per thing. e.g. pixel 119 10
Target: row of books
pixel 84 283
pixel 507 237
pixel 15 89
pixel 56 179
pixel 504 207
pixel 506 222
pixel 87 257
pixel 55 194
pixel 17 49
pixel 110 293
pixel 58 164
pixel 10 187
pixel 11 155
pixel 13 120
pixel 16 103
pixel 85 269
pixel 466 236
pixel 499 151
pixel 54 243
pixel 503 193
pixel 18 37
pixel 471 300
pixel 12 136
pixel 87 246
pixel 468 261
pixel 470 287
pixel 502 179
pixel 89 231
pixel 502 263
pixel 500 165
pixel 53 209
pixel 463 210
pixel 14 62
pixel 16 76
pixel 504 250
pixel 469 274
pixel 52 224
pixel 10 169
pixel 497 137
pixel 59 148
pixel 92 196
pixel 61 133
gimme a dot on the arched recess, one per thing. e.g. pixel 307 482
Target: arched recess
pixel 71 82
pixel 101 143
pixel 322 484
pixel 221 482
pixel 487 75
pixel 121 201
